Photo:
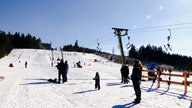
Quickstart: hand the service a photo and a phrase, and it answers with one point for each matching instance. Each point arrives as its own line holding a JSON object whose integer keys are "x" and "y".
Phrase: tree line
{"x": 156, "y": 54}
{"x": 148, "y": 54}
{"x": 9, "y": 41}
{"x": 77, "y": 48}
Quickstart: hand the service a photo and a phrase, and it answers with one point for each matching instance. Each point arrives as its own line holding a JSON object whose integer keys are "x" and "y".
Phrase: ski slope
{"x": 29, "y": 88}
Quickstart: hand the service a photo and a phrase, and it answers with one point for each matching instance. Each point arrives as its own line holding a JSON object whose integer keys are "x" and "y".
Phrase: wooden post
{"x": 185, "y": 82}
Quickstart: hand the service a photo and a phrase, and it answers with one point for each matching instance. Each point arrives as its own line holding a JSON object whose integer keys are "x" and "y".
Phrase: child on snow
{"x": 97, "y": 81}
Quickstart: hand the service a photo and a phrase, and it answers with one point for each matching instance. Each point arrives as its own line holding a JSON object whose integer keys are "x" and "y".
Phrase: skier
{"x": 136, "y": 79}
{"x": 61, "y": 69}
{"x": 97, "y": 81}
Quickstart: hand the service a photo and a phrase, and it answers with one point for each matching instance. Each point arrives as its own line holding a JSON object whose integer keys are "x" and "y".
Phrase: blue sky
{"x": 65, "y": 21}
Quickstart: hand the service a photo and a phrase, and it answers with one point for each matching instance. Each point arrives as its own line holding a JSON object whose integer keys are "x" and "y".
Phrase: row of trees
{"x": 146, "y": 54}
{"x": 77, "y": 48}
{"x": 9, "y": 41}
{"x": 156, "y": 54}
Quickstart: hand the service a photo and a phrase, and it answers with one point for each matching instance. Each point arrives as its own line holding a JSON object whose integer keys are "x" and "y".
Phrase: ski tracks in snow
{"x": 64, "y": 98}
{"x": 15, "y": 95}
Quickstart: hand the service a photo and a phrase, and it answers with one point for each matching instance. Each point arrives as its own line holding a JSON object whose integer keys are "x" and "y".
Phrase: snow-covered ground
{"x": 29, "y": 88}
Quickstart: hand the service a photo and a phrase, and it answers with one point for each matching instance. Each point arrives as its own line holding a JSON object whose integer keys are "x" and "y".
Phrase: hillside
{"x": 29, "y": 88}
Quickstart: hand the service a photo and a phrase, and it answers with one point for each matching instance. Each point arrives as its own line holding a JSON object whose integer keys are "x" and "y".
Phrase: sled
{"x": 52, "y": 80}
{"x": 2, "y": 78}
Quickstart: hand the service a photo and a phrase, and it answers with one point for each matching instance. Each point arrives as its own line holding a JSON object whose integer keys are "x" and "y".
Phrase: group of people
{"x": 135, "y": 77}
{"x": 63, "y": 70}
{"x": 124, "y": 74}
{"x": 11, "y": 64}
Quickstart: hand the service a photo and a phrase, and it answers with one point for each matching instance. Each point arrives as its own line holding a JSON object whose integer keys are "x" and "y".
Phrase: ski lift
{"x": 128, "y": 37}
{"x": 168, "y": 46}
{"x": 128, "y": 45}
{"x": 98, "y": 45}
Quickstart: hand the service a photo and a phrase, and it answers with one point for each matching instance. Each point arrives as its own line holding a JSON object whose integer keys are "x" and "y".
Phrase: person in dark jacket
{"x": 136, "y": 79}
{"x": 25, "y": 64}
{"x": 66, "y": 71}
{"x": 124, "y": 74}
{"x": 61, "y": 69}
{"x": 97, "y": 81}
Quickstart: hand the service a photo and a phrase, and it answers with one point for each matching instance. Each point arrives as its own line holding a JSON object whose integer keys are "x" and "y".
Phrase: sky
{"x": 62, "y": 22}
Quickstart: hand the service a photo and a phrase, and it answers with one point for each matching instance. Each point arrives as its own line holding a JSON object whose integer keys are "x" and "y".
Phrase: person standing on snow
{"x": 97, "y": 81}
{"x": 61, "y": 69}
{"x": 124, "y": 73}
{"x": 66, "y": 71}
{"x": 136, "y": 79}
{"x": 25, "y": 64}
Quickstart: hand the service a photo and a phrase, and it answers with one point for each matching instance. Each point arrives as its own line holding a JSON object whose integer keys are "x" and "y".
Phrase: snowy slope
{"x": 28, "y": 87}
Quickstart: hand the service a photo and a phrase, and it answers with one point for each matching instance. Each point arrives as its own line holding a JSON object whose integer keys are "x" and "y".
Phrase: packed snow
{"x": 29, "y": 88}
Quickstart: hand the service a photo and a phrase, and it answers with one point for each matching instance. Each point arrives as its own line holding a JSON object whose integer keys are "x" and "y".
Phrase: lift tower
{"x": 118, "y": 32}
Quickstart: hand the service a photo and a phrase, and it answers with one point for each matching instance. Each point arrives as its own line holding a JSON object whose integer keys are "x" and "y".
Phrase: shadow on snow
{"x": 39, "y": 81}
{"x": 35, "y": 83}
{"x": 86, "y": 91}
{"x": 128, "y": 105}
{"x": 166, "y": 92}
{"x": 113, "y": 84}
